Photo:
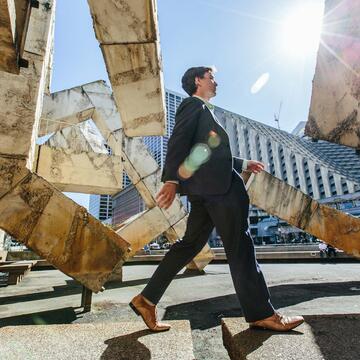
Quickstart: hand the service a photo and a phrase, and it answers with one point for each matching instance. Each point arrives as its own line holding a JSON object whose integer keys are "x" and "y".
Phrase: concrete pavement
{"x": 49, "y": 297}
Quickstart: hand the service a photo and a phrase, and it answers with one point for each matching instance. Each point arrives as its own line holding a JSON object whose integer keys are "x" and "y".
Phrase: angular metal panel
{"x": 84, "y": 172}
{"x": 142, "y": 229}
{"x": 280, "y": 199}
{"x": 136, "y": 79}
{"x": 137, "y": 156}
{"x": 335, "y": 103}
{"x": 8, "y": 52}
{"x": 124, "y": 21}
{"x": 12, "y": 171}
{"x": 63, "y": 109}
{"x": 61, "y": 231}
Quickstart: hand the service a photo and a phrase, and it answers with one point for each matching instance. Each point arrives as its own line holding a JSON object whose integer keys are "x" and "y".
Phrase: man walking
{"x": 199, "y": 164}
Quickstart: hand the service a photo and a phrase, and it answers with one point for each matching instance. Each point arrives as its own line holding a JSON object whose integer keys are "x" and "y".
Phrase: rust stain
{"x": 57, "y": 159}
{"x": 312, "y": 129}
{"x": 345, "y": 126}
{"x": 9, "y": 170}
{"x": 355, "y": 88}
{"x": 73, "y": 244}
{"x": 142, "y": 62}
{"x": 136, "y": 24}
{"x": 36, "y": 199}
{"x": 145, "y": 120}
{"x": 130, "y": 76}
{"x": 153, "y": 94}
{"x": 310, "y": 209}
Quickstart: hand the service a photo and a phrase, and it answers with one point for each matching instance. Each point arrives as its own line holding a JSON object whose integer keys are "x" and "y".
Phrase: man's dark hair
{"x": 188, "y": 79}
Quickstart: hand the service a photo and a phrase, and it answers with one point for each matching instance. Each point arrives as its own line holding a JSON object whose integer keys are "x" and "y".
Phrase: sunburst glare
{"x": 301, "y": 29}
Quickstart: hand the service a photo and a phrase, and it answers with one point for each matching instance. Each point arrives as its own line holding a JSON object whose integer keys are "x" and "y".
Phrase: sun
{"x": 301, "y": 29}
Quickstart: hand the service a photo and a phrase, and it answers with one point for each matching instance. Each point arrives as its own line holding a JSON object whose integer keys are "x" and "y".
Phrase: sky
{"x": 264, "y": 52}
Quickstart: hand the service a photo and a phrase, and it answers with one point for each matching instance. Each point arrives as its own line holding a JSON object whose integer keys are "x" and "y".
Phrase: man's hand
{"x": 255, "y": 166}
{"x": 166, "y": 195}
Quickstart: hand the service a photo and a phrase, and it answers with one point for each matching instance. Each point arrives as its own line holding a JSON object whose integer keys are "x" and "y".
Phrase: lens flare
{"x": 301, "y": 29}
{"x": 260, "y": 83}
{"x": 214, "y": 139}
{"x": 184, "y": 173}
{"x": 200, "y": 154}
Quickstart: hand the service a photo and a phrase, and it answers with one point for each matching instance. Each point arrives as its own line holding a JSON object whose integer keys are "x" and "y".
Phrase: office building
{"x": 100, "y": 206}
{"x": 320, "y": 169}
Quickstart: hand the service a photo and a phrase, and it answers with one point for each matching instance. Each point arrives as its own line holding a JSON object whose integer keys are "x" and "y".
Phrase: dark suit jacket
{"x": 193, "y": 125}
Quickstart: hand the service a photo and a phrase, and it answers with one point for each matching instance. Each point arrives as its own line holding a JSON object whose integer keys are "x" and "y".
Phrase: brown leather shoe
{"x": 278, "y": 322}
{"x": 148, "y": 312}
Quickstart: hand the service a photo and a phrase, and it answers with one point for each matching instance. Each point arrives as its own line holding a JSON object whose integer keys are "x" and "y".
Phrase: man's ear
{"x": 197, "y": 81}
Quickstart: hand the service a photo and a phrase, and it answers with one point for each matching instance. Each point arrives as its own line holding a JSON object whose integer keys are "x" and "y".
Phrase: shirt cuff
{"x": 172, "y": 182}
{"x": 244, "y": 164}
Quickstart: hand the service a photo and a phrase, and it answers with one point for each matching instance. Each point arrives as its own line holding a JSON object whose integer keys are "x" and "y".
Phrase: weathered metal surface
{"x": 31, "y": 209}
{"x": 81, "y": 138}
{"x": 136, "y": 78}
{"x": 132, "y": 55}
{"x": 335, "y": 103}
{"x": 64, "y": 109}
{"x": 101, "y": 97}
{"x": 23, "y": 12}
{"x": 21, "y": 95}
{"x": 58, "y": 229}
{"x": 12, "y": 171}
{"x": 17, "y": 109}
{"x": 9, "y": 56}
{"x": 124, "y": 21}
{"x": 85, "y": 172}
{"x": 147, "y": 189}
{"x": 280, "y": 199}
{"x": 143, "y": 228}
{"x": 14, "y": 18}
{"x": 41, "y": 22}
{"x": 72, "y": 106}
{"x": 138, "y": 163}
{"x": 72, "y": 169}
{"x": 67, "y": 107}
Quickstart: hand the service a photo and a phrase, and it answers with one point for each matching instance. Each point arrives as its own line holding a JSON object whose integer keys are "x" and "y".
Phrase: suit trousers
{"x": 229, "y": 214}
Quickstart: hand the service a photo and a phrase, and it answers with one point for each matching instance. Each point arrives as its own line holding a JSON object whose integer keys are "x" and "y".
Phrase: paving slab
{"x": 51, "y": 297}
{"x": 321, "y": 337}
{"x": 120, "y": 341}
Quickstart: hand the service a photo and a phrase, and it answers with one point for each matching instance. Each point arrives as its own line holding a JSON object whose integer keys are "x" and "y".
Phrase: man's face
{"x": 206, "y": 86}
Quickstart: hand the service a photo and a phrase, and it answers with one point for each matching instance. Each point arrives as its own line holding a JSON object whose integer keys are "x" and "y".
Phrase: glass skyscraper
{"x": 100, "y": 206}
{"x": 157, "y": 145}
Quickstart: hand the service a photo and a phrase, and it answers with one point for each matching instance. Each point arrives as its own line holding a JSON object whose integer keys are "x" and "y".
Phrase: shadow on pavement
{"x": 337, "y": 336}
{"x": 59, "y": 316}
{"x": 207, "y": 313}
{"x": 127, "y": 347}
{"x": 118, "y": 285}
{"x": 73, "y": 287}
{"x": 250, "y": 340}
